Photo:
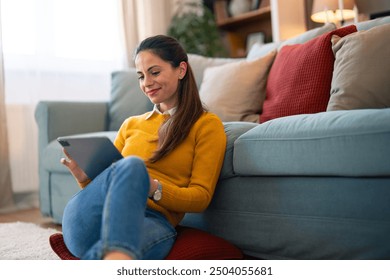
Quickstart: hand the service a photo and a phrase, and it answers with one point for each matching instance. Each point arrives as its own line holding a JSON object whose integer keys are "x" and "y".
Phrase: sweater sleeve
{"x": 209, "y": 151}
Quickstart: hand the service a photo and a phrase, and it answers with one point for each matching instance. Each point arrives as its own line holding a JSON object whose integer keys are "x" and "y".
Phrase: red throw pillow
{"x": 300, "y": 78}
{"x": 191, "y": 244}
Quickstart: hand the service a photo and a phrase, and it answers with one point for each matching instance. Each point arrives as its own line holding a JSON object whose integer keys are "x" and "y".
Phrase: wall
{"x": 288, "y": 18}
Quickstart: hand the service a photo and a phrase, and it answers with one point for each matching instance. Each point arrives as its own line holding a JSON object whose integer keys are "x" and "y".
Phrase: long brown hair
{"x": 189, "y": 108}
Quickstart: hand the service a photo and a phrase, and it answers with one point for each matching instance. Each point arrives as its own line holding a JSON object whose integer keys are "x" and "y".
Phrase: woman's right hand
{"x": 74, "y": 168}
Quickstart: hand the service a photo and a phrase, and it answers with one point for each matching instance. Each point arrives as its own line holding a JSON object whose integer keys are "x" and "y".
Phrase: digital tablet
{"x": 92, "y": 154}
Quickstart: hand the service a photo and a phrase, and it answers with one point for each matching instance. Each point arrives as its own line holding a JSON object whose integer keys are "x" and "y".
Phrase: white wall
{"x": 288, "y": 18}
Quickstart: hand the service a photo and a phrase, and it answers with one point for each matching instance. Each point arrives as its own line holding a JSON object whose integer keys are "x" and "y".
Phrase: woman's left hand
{"x": 74, "y": 168}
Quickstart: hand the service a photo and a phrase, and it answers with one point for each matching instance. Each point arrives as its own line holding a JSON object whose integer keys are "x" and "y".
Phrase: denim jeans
{"x": 111, "y": 214}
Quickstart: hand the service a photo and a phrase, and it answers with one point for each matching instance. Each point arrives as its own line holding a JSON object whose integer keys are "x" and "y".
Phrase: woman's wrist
{"x": 157, "y": 194}
{"x": 153, "y": 187}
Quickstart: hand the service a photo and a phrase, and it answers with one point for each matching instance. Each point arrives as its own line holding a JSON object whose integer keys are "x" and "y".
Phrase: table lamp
{"x": 336, "y": 11}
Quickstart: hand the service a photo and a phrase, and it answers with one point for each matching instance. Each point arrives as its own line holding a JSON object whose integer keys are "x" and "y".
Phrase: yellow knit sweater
{"x": 189, "y": 173}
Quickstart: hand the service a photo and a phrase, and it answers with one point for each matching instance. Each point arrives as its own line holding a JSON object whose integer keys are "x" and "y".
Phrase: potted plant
{"x": 194, "y": 26}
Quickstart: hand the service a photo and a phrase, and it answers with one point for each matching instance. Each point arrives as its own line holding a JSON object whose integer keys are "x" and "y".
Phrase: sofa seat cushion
{"x": 52, "y": 154}
{"x": 340, "y": 143}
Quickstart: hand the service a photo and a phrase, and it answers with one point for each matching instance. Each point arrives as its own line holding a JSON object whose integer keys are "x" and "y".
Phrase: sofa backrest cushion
{"x": 308, "y": 35}
{"x": 127, "y": 99}
{"x": 260, "y": 50}
{"x": 366, "y": 25}
{"x": 300, "y": 78}
{"x": 361, "y": 71}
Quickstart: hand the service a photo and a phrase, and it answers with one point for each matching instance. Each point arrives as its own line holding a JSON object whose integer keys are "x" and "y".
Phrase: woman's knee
{"x": 132, "y": 163}
{"x": 132, "y": 169}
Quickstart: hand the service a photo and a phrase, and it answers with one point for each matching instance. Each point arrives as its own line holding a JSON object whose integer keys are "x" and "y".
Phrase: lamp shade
{"x": 332, "y": 10}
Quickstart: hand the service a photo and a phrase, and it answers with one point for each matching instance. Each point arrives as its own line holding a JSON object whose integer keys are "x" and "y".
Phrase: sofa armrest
{"x": 59, "y": 118}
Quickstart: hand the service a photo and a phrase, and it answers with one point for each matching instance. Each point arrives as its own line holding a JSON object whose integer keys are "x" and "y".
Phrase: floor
{"x": 30, "y": 216}
{"x": 26, "y": 209}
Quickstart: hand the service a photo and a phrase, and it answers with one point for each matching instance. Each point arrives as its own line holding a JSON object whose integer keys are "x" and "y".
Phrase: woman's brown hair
{"x": 189, "y": 108}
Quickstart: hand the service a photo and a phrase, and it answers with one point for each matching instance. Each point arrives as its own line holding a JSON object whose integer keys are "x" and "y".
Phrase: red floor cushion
{"x": 191, "y": 244}
{"x": 58, "y": 245}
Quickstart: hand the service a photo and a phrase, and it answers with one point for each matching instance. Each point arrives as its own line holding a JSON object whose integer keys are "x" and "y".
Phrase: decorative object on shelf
{"x": 336, "y": 11}
{"x": 238, "y": 7}
{"x": 194, "y": 26}
{"x": 254, "y": 38}
{"x": 256, "y": 4}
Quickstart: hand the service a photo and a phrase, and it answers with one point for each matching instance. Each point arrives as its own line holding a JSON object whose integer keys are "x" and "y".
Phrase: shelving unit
{"x": 238, "y": 28}
{"x": 276, "y": 19}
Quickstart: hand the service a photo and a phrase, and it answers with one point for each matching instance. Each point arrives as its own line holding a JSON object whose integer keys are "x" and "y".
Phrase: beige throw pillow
{"x": 361, "y": 71}
{"x": 236, "y": 91}
{"x": 199, "y": 63}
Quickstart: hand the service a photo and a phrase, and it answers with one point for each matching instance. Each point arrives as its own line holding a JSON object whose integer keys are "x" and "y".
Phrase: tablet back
{"x": 92, "y": 154}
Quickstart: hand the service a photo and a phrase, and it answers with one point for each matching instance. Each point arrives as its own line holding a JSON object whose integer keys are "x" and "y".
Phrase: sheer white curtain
{"x": 65, "y": 50}
{"x": 6, "y": 198}
{"x": 144, "y": 18}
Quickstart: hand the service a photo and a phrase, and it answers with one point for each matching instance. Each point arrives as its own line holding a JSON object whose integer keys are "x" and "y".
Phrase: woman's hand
{"x": 74, "y": 168}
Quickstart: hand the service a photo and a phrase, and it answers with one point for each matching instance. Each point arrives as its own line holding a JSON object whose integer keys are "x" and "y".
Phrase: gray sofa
{"x": 308, "y": 186}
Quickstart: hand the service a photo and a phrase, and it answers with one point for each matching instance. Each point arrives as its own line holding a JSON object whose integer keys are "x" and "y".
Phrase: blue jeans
{"x": 111, "y": 214}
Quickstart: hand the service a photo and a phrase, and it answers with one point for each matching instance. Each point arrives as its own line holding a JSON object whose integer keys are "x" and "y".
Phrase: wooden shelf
{"x": 262, "y": 14}
{"x": 238, "y": 28}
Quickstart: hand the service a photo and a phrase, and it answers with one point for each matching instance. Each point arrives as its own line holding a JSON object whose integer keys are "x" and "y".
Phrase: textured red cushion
{"x": 58, "y": 245}
{"x": 195, "y": 244}
{"x": 191, "y": 244}
{"x": 299, "y": 81}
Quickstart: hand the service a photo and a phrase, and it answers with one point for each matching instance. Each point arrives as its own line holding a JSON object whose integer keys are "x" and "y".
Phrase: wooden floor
{"x": 32, "y": 215}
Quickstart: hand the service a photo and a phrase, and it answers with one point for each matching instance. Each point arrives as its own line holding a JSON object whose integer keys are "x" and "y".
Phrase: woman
{"x": 172, "y": 160}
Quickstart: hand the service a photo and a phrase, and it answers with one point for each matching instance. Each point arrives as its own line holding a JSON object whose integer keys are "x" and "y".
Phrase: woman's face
{"x": 158, "y": 79}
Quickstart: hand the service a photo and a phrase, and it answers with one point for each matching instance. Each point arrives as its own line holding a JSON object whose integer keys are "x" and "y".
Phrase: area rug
{"x": 25, "y": 241}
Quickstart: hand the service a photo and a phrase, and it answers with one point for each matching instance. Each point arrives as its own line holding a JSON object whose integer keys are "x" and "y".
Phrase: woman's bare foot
{"x": 117, "y": 255}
